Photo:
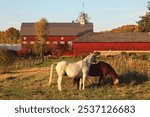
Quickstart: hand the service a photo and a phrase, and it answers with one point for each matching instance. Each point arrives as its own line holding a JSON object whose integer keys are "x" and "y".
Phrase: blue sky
{"x": 105, "y": 14}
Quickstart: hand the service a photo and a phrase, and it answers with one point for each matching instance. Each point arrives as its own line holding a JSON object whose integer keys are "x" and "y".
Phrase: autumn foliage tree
{"x": 126, "y": 28}
{"x": 2, "y": 33}
{"x": 41, "y": 32}
{"x": 37, "y": 48}
{"x": 11, "y": 35}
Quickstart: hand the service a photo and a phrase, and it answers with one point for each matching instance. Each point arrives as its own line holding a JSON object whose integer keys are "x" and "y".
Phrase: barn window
{"x": 24, "y": 38}
{"x": 54, "y": 42}
{"x": 62, "y": 38}
{"x": 70, "y": 42}
{"x": 62, "y": 42}
{"x": 31, "y": 42}
{"x": 25, "y": 42}
{"x": 48, "y": 42}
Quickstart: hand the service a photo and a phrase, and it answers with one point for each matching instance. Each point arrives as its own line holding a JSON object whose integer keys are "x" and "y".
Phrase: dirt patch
{"x": 24, "y": 72}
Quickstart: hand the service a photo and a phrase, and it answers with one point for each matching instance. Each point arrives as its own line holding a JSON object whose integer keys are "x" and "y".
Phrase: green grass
{"x": 34, "y": 87}
{"x": 49, "y": 62}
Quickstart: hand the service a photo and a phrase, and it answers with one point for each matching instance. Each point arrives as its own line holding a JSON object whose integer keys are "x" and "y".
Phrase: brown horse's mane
{"x": 97, "y": 69}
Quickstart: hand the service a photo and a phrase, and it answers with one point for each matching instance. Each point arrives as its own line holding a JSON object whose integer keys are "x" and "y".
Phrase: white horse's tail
{"x": 51, "y": 73}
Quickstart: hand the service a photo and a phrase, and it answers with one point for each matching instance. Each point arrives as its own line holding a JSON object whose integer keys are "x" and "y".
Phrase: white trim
{"x": 24, "y": 42}
{"x": 62, "y": 42}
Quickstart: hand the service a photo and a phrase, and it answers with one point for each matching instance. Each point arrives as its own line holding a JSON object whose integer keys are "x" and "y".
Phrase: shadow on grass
{"x": 133, "y": 77}
{"x": 107, "y": 82}
{"x": 6, "y": 72}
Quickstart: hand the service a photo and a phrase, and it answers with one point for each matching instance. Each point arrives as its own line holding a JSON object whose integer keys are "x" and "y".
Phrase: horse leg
{"x": 59, "y": 83}
{"x": 99, "y": 81}
{"x": 80, "y": 83}
{"x": 83, "y": 78}
{"x": 78, "y": 80}
{"x": 102, "y": 79}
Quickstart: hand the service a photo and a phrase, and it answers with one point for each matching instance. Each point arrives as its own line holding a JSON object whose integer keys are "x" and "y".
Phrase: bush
{"x": 145, "y": 56}
{"x": 7, "y": 57}
{"x": 124, "y": 53}
{"x": 133, "y": 55}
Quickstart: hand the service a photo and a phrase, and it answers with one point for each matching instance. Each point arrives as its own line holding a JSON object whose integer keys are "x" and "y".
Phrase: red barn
{"x": 108, "y": 41}
{"x": 58, "y": 33}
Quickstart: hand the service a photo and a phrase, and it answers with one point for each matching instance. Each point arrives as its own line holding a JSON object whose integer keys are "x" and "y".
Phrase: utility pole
{"x": 83, "y": 4}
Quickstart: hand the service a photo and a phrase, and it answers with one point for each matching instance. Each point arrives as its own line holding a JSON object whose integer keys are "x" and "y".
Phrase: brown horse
{"x": 101, "y": 70}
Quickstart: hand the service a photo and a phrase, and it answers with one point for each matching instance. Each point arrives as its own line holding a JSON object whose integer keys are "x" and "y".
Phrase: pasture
{"x": 31, "y": 83}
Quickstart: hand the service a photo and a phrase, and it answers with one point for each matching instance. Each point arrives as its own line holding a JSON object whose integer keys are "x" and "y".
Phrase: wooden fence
{"x": 25, "y": 63}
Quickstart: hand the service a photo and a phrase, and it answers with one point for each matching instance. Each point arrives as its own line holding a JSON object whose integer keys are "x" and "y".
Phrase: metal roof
{"x": 114, "y": 37}
{"x": 55, "y": 29}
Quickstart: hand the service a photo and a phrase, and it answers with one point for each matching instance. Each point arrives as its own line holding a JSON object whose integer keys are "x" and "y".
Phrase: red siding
{"x": 79, "y": 48}
{"x": 51, "y": 39}
{"x": 58, "y": 38}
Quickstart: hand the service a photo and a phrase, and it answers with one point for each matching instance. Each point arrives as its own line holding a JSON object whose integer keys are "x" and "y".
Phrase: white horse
{"x": 79, "y": 69}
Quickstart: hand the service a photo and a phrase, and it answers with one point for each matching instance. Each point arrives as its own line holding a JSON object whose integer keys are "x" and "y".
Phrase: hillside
{"x": 126, "y": 28}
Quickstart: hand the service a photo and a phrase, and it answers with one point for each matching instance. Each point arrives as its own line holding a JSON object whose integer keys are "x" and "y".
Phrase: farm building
{"x": 14, "y": 47}
{"x": 58, "y": 33}
{"x": 109, "y": 42}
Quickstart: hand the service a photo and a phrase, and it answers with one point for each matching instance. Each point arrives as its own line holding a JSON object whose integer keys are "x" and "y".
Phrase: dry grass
{"x": 32, "y": 84}
{"x": 24, "y": 72}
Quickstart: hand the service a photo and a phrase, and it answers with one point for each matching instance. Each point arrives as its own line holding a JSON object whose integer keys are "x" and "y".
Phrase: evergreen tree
{"x": 144, "y": 23}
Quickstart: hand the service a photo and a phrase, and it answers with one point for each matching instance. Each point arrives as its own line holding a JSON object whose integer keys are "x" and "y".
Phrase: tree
{"x": 144, "y": 23}
{"x": 126, "y": 28}
{"x": 2, "y": 37}
{"x": 12, "y": 35}
{"x": 37, "y": 49}
{"x": 41, "y": 32}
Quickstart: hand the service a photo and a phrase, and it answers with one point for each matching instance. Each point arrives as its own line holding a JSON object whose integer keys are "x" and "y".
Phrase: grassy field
{"x": 31, "y": 84}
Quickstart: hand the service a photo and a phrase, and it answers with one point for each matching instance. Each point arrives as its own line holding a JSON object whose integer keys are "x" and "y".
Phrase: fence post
{"x": 16, "y": 65}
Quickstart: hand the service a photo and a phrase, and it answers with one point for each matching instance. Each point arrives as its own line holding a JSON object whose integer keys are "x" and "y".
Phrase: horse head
{"x": 116, "y": 83}
{"x": 91, "y": 58}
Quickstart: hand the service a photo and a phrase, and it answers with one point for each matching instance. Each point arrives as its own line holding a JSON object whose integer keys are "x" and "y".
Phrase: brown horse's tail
{"x": 51, "y": 73}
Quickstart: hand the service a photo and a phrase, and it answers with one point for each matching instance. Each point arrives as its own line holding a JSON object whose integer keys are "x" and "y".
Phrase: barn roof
{"x": 58, "y": 29}
{"x": 114, "y": 37}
